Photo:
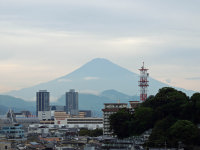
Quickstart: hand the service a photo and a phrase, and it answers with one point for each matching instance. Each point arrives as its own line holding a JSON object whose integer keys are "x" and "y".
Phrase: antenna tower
{"x": 143, "y": 83}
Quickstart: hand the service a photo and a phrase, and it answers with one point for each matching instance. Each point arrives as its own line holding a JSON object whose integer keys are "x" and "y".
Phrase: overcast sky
{"x": 41, "y": 40}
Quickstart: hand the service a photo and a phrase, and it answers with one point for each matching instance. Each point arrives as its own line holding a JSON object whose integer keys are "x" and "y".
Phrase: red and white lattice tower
{"x": 143, "y": 83}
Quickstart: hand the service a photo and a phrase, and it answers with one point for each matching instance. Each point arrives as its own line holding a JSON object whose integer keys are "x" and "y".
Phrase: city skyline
{"x": 41, "y": 41}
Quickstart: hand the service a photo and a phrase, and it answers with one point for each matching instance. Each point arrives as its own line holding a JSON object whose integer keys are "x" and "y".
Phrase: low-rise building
{"x": 44, "y": 115}
{"x": 23, "y": 114}
{"x": 134, "y": 104}
{"x": 87, "y": 113}
{"x": 61, "y": 118}
{"x": 14, "y": 131}
{"x": 57, "y": 108}
{"x": 90, "y": 123}
{"x": 5, "y": 145}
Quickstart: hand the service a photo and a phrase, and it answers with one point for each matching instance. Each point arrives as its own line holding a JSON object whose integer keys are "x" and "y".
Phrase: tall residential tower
{"x": 42, "y": 101}
{"x": 72, "y": 102}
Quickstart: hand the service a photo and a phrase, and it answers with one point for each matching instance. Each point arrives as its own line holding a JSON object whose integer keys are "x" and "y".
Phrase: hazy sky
{"x": 41, "y": 40}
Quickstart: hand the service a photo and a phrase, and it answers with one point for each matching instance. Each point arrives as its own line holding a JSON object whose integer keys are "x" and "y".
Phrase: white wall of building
{"x": 44, "y": 115}
{"x": 90, "y": 123}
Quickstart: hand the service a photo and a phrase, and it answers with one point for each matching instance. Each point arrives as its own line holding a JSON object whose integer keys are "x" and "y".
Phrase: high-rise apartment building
{"x": 109, "y": 109}
{"x": 72, "y": 102}
{"x": 42, "y": 101}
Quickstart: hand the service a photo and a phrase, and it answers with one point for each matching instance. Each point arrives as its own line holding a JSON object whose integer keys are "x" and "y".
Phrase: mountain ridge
{"x": 17, "y": 104}
{"x": 86, "y": 102}
{"x": 97, "y": 75}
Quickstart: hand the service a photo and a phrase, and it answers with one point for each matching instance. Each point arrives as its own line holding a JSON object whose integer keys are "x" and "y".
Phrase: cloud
{"x": 53, "y": 99}
{"x": 193, "y": 78}
{"x": 90, "y": 92}
{"x": 91, "y": 78}
{"x": 64, "y": 80}
{"x": 62, "y": 35}
{"x": 168, "y": 80}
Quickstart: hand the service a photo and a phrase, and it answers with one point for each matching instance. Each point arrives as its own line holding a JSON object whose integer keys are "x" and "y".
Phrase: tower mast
{"x": 143, "y": 83}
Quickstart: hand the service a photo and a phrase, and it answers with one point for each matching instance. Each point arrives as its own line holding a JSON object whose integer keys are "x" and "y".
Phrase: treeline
{"x": 171, "y": 114}
{"x": 91, "y": 133}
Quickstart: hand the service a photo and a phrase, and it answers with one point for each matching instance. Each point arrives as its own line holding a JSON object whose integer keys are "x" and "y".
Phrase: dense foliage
{"x": 171, "y": 114}
{"x": 91, "y": 133}
{"x": 121, "y": 123}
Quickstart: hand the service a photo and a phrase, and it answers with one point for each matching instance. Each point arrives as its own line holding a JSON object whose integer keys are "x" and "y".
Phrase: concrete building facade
{"x": 109, "y": 109}
{"x": 44, "y": 115}
{"x": 14, "y": 131}
{"x": 42, "y": 101}
{"x": 61, "y": 118}
{"x": 57, "y": 108}
{"x": 89, "y": 123}
{"x": 86, "y": 113}
{"x": 72, "y": 102}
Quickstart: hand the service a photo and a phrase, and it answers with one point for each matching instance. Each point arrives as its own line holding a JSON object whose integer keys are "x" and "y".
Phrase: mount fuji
{"x": 94, "y": 77}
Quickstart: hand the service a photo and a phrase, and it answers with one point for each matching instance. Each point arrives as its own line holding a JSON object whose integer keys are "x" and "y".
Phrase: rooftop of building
{"x": 135, "y": 101}
{"x": 110, "y": 109}
{"x": 42, "y": 90}
{"x": 115, "y": 104}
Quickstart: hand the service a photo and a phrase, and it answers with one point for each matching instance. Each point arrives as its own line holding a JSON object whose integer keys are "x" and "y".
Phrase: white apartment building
{"x": 44, "y": 115}
{"x": 61, "y": 118}
{"x": 110, "y": 108}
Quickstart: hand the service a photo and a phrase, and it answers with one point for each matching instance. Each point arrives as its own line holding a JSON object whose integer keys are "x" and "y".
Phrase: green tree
{"x": 120, "y": 123}
{"x": 164, "y": 96}
{"x": 84, "y": 132}
{"x": 143, "y": 120}
{"x": 187, "y": 111}
{"x": 170, "y": 114}
{"x": 184, "y": 131}
{"x": 96, "y": 132}
{"x": 195, "y": 99}
{"x": 167, "y": 101}
{"x": 160, "y": 132}
{"x": 91, "y": 133}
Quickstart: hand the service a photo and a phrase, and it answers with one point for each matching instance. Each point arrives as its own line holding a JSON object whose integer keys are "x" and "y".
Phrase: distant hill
{"x": 93, "y": 77}
{"x": 3, "y": 110}
{"x": 86, "y": 102}
{"x": 17, "y": 104}
{"x": 96, "y": 102}
{"x": 115, "y": 95}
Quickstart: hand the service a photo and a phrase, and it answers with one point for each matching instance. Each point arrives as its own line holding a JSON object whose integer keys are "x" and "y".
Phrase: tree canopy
{"x": 184, "y": 131}
{"x": 120, "y": 123}
{"x": 171, "y": 115}
{"x": 91, "y": 133}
